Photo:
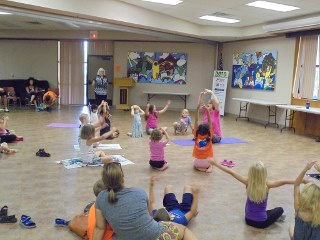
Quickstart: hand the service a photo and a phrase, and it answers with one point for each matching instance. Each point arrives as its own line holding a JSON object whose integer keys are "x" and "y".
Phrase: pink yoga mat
{"x": 63, "y": 125}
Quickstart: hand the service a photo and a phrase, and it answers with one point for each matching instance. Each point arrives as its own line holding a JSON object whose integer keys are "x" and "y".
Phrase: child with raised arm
{"x": 183, "y": 124}
{"x": 213, "y": 109}
{"x": 6, "y": 135}
{"x": 174, "y": 211}
{"x": 307, "y": 208}
{"x": 157, "y": 145}
{"x": 258, "y": 186}
{"x": 86, "y": 141}
{"x": 136, "y": 112}
{"x": 104, "y": 118}
{"x": 152, "y": 116}
{"x": 203, "y": 149}
{"x": 94, "y": 112}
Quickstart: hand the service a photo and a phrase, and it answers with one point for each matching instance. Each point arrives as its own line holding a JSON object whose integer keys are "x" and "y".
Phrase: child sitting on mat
{"x": 152, "y": 116}
{"x": 203, "y": 149}
{"x": 136, "y": 112}
{"x": 257, "y": 187}
{"x": 86, "y": 141}
{"x": 174, "y": 211}
{"x": 307, "y": 208}
{"x": 157, "y": 160}
{"x": 183, "y": 124}
{"x": 213, "y": 108}
{"x": 104, "y": 118}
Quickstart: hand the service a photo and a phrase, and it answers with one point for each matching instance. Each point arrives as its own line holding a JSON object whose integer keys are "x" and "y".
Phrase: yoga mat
{"x": 102, "y": 147}
{"x": 63, "y": 125}
{"x": 189, "y": 142}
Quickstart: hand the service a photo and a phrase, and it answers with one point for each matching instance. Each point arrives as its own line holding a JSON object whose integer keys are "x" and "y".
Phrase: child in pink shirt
{"x": 157, "y": 160}
{"x": 213, "y": 108}
{"x": 152, "y": 116}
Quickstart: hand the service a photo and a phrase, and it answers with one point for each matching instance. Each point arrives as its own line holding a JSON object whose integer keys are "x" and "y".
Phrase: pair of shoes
{"x": 6, "y": 110}
{"x": 59, "y": 222}
{"x": 228, "y": 163}
{"x": 42, "y": 153}
{"x": 27, "y": 222}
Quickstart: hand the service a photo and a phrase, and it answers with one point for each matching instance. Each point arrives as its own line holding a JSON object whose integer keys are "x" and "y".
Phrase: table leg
{"x": 272, "y": 113}
{"x": 289, "y": 117}
{"x": 243, "y": 108}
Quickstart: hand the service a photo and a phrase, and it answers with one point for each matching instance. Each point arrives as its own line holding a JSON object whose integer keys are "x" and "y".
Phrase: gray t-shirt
{"x": 129, "y": 216}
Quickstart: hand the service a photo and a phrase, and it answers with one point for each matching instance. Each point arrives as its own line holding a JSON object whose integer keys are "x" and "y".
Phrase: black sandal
{"x": 4, "y": 211}
{"x": 8, "y": 219}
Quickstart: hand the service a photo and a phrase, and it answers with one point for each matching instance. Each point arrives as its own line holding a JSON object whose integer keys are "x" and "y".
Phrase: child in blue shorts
{"x": 174, "y": 211}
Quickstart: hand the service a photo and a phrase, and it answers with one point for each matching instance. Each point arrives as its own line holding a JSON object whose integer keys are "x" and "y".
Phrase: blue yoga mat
{"x": 189, "y": 142}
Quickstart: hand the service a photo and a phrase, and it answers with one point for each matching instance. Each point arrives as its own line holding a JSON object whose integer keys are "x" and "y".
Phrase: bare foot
{"x": 129, "y": 134}
{"x": 317, "y": 166}
{"x": 209, "y": 169}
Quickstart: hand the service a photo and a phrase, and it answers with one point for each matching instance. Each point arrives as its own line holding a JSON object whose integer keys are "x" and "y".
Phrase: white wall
{"x": 282, "y": 93}
{"x": 20, "y": 59}
{"x": 201, "y": 62}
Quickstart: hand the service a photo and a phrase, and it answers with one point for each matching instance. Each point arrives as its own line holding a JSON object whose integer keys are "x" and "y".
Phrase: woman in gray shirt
{"x": 126, "y": 210}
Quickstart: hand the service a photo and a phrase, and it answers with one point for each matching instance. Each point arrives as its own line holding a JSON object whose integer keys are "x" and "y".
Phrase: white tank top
{"x": 87, "y": 152}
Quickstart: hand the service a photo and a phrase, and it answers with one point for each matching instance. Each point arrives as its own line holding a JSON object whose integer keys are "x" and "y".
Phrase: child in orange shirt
{"x": 203, "y": 149}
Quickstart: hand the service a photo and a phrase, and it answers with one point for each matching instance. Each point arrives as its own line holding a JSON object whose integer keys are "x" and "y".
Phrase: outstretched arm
{"x": 279, "y": 183}
{"x": 200, "y": 100}
{"x": 233, "y": 173}
{"x": 165, "y": 134}
{"x": 147, "y": 109}
{"x": 197, "y": 116}
{"x": 102, "y": 137}
{"x": 3, "y": 125}
{"x": 296, "y": 191}
{"x": 209, "y": 118}
{"x": 214, "y": 98}
{"x": 151, "y": 196}
{"x": 141, "y": 111}
{"x": 165, "y": 107}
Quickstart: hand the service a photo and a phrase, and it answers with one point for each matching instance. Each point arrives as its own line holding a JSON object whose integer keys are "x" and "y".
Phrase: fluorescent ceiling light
{"x": 219, "y": 19}
{"x": 5, "y": 13}
{"x": 168, "y": 2}
{"x": 272, "y": 6}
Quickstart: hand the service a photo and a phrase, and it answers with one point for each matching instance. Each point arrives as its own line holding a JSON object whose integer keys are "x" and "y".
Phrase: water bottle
{"x": 307, "y": 105}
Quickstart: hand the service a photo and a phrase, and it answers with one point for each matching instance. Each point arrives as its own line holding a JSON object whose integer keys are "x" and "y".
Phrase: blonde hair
{"x": 87, "y": 132}
{"x": 98, "y": 187}
{"x": 101, "y": 69}
{"x": 82, "y": 117}
{"x": 156, "y": 135}
{"x": 310, "y": 200}
{"x": 257, "y": 188}
{"x": 185, "y": 110}
{"x": 136, "y": 107}
{"x": 113, "y": 179}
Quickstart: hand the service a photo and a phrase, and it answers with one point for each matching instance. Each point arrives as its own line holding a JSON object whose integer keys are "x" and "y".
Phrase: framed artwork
{"x": 256, "y": 70}
{"x": 157, "y": 67}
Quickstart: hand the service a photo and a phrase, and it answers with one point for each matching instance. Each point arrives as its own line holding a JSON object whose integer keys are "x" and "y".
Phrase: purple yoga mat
{"x": 189, "y": 142}
{"x": 63, "y": 125}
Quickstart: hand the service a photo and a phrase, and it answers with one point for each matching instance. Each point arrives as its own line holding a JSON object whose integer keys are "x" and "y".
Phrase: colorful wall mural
{"x": 256, "y": 70}
{"x": 157, "y": 67}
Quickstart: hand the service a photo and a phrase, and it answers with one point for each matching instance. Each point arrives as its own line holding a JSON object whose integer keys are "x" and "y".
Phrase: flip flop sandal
{"x": 4, "y": 211}
{"x": 8, "y": 219}
{"x": 27, "y": 222}
{"x": 58, "y": 222}
{"x": 225, "y": 163}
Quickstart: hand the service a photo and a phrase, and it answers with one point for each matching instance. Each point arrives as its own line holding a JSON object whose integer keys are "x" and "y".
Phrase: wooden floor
{"x": 45, "y": 190}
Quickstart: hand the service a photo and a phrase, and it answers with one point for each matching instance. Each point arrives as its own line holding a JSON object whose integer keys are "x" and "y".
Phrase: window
{"x": 317, "y": 76}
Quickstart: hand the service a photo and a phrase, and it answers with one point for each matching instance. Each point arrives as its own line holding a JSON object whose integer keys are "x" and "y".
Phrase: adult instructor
{"x": 100, "y": 84}
{"x": 126, "y": 210}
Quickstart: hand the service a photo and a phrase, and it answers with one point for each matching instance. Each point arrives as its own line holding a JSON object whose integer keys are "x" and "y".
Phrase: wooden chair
{"x": 12, "y": 97}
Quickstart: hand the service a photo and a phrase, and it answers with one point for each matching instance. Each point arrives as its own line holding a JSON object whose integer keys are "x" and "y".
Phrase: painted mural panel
{"x": 157, "y": 67}
{"x": 256, "y": 70}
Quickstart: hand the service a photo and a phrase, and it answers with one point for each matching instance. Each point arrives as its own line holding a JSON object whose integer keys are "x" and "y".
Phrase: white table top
{"x": 258, "y": 102}
{"x": 300, "y": 108}
{"x": 166, "y": 93}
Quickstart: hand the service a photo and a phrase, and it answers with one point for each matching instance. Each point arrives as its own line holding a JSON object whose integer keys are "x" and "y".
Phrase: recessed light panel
{"x": 219, "y": 19}
{"x": 168, "y": 2}
{"x": 272, "y": 6}
{"x": 5, "y": 13}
